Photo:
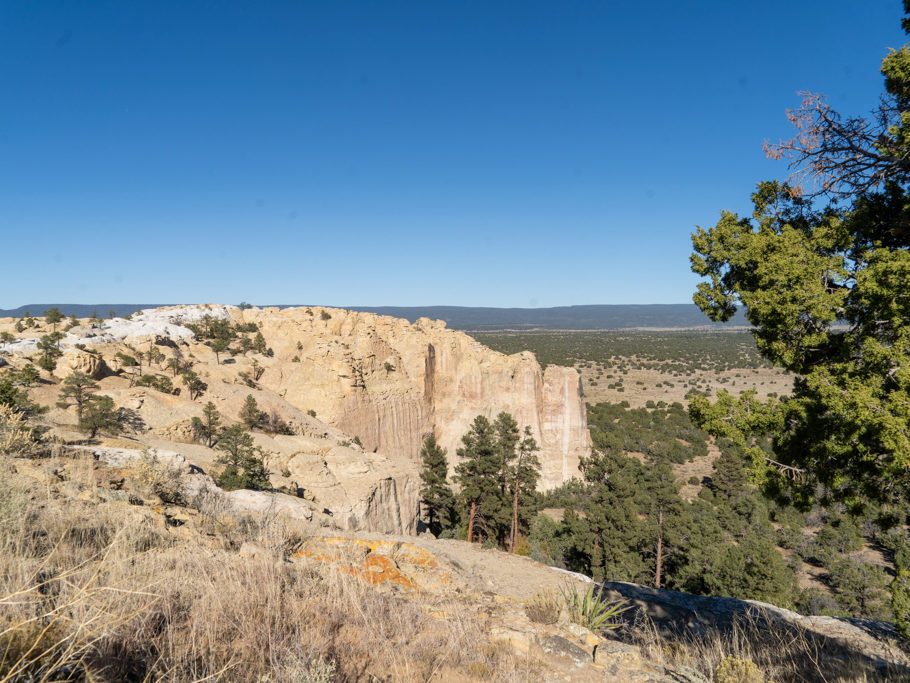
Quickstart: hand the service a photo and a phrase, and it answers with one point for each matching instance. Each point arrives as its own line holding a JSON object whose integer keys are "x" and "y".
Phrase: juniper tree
{"x": 828, "y": 293}
{"x": 435, "y": 494}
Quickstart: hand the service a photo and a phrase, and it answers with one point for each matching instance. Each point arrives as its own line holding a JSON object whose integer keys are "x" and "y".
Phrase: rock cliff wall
{"x": 390, "y": 383}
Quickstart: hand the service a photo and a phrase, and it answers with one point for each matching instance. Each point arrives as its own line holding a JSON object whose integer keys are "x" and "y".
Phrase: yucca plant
{"x": 589, "y": 609}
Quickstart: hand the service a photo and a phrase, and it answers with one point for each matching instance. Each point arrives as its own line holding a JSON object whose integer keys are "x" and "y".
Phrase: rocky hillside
{"x": 357, "y": 393}
{"x": 131, "y": 567}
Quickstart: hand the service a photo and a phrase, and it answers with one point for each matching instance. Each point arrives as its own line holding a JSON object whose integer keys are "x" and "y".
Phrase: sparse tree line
{"x": 497, "y": 478}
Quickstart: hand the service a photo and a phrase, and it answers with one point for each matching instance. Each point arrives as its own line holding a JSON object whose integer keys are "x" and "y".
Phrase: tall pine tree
{"x": 435, "y": 494}
{"x": 478, "y": 475}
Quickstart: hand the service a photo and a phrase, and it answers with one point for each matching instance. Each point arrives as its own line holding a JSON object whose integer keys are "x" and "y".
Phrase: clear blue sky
{"x": 379, "y": 153}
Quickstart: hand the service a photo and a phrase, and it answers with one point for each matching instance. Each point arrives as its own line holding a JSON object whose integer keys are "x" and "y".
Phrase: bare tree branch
{"x": 836, "y": 156}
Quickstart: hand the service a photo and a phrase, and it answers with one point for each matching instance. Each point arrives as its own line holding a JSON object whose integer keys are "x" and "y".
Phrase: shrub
{"x": 543, "y": 608}
{"x": 589, "y": 609}
{"x": 733, "y": 670}
{"x": 161, "y": 478}
{"x": 158, "y": 382}
{"x": 16, "y": 436}
{"x": 325, "y": 315}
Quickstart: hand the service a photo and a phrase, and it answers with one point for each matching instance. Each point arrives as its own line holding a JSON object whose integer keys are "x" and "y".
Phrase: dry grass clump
{"x": 159, "y": 477}
{"x": 16, "y": 435}
{"x": 110, "y": 592}
{"x": 755, "y": 650}
{"x": 544, "y": 607}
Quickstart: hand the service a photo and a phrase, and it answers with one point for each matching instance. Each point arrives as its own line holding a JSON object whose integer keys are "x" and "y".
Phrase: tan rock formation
{"x": 334, "y": 380}
{"x": 80, "y": 361}
{"x": 390, "y": 383}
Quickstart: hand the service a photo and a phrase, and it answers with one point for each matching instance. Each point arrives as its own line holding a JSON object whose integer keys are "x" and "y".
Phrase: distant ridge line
{"x": 478, "y": 318}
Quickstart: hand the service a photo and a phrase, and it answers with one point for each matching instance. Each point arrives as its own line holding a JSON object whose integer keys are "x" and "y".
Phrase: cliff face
{"x": 333, "y": 375}
{"x": 390, "y": 383}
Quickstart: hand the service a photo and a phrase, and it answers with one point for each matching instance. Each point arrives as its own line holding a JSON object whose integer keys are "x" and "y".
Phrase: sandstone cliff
{"x": 357, "y": 391}
{"x": 390, "y": 383}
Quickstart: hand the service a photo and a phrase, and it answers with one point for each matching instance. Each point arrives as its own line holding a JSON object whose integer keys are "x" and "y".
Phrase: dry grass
{"x": 544, "y": 607}
{"x": 783, "y": 654}
{"x": 107, "y": 592}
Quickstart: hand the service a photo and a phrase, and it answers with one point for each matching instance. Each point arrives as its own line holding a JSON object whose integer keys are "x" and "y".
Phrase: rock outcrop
{"x": 390, "y": 383}
{"x": 353, "y": 396}
{"x": 872, "y": 645}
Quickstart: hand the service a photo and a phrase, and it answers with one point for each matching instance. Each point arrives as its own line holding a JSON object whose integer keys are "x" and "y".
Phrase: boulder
{"x": 81, "y": 361}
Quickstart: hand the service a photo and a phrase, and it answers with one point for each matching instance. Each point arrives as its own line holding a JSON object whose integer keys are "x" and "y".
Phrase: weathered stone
{"x": 561, "y": 647}
{"x": 610, "y": 652}
{"x": 520, "y": 641}
{"x": 390, "y": 382}
{"x": 81, "y": 361}
{"x": 873, "y": 644}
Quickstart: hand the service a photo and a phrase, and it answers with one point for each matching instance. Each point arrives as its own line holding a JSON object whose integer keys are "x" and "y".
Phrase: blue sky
{"x": 379, "y": 153}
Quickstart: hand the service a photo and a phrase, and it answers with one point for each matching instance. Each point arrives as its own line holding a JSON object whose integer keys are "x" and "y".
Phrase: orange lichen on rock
{"x": 379, "y": 562}
{"x": 378, "y": 569}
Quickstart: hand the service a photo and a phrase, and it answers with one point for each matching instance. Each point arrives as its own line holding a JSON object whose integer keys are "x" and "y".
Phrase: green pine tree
{"x": 435, "y": 493}
{"x": 478, "y": 475}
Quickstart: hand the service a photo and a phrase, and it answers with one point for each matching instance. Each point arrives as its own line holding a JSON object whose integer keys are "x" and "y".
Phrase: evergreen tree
{"x": 259, "y": 343}
{"x": 206, "y": 428}
{"x": 219, "y": 346}
{"x": 478, "y": 475}
{"x": 526, "y": 472}
{"x": 99, "y": 414}
{"x": 435, "y": 495}
{"x": 28, "y": 375}
{"x": 827, "y": 291}
{"x": 499, "y": 516}
{"x": 49, "y": 346}
{"x": 244, "y": 465}
{"x": 193, "y": 383}
{"x": 663, "y": 506}
{"x": 53, "y": 316}
{"x": 76, "y": 390}
{"x": 616, "y": 532}
{"x": 250, "y": 414}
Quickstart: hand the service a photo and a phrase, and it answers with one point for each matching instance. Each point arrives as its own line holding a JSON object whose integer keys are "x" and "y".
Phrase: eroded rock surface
{"x": 390, "y": 383}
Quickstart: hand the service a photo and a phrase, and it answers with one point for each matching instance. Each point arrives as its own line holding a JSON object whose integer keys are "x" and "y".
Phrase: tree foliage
{"x": 250, "y": 414}
{"x": 828, "y": 291}
{"x": 205, "y": 429}
{"x": 243, "y": 461}
{"x": 76, "y": 391}
{"x": 100, "y": 415}
{"x": 435, "y": 493}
